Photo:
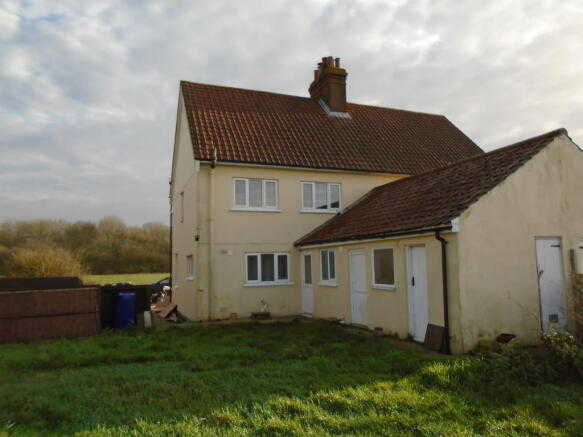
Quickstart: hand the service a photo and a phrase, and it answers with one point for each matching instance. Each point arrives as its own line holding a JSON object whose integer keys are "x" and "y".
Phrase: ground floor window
{"x": 328, "y": 266}
{"x": 267, "y": 268}
{"x": 189, "y": 266}
{"x": 383, "y": 268}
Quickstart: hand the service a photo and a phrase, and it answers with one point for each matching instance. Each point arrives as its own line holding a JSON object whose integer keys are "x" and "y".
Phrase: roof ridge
{"x": 249, "y": 90}
{"x": 551, "y": 134}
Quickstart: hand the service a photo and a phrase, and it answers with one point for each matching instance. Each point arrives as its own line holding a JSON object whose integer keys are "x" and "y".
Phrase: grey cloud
{"x": 88, "y": 90}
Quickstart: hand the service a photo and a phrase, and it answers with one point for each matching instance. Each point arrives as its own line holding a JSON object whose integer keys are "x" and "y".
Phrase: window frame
{"x": 263, "y": 206}
{"x": 259, "y": 282}
{"x": 328, "y": 208}
{"x": 189, "y": 267}
{"x": 329, "y": 281}
{"x": 372, "y": 263}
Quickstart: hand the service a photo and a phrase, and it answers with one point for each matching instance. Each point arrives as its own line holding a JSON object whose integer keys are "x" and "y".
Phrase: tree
{"x": 41, "y": 260}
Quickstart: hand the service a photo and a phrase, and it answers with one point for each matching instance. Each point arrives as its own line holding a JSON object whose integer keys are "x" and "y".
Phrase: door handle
{"x": 540, "y": 273}
{"x": 413, "y": 281}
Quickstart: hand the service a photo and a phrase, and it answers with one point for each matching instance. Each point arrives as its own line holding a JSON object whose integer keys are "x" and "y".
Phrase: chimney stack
{"x": 330, "y": 84}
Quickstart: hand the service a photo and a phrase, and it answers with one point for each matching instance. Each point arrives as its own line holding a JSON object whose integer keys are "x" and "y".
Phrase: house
{"x": 480, "y": 247}
{"x": 264, "y": 186}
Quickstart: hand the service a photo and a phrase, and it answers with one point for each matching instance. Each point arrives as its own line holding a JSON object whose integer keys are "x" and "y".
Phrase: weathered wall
{"x": 498, "y": 273}
{"x": 184, "y": 180}
{"x": 388, "y": 309}
{"x": 238, "y": 232}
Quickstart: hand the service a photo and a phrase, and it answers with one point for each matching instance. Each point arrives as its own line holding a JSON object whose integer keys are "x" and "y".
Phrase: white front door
{"x": 418, "y": 302}
{"x": 307, "y": 289}
{"x": 551, "y": 283}
{"x": 358, "y": 295}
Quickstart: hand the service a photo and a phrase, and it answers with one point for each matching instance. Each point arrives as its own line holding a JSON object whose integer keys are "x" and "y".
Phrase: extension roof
{"x": 427, "y": 201}
{"x": 258, "y": 127}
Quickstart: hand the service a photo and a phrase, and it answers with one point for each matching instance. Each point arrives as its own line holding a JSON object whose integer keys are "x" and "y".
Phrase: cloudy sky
{"x": 88, "y": 90}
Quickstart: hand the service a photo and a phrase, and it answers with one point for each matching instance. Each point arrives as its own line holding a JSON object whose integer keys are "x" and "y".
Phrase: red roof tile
{"x": 275, "y": 129}
{"x": 429, "y": 200}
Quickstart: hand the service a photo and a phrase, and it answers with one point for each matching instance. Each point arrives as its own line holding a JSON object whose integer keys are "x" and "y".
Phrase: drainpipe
{"x": 170, "y": 250}
{"x": 445, "y": 345}
{"x": 211, "y": 233}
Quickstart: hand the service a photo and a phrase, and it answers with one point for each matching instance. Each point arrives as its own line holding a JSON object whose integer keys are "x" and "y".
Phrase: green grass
{"x": 251, "y": 379}
{"x": 134, "y": 278}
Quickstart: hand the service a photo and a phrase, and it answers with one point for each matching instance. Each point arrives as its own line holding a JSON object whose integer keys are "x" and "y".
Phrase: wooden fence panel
{"x": 42, "y": 314}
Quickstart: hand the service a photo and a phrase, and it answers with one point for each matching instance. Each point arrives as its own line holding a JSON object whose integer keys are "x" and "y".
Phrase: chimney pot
{"x": 330, "y": 84}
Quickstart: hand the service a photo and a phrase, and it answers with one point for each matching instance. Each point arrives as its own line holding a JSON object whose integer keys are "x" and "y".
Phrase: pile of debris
{"x": 161, "y": 305}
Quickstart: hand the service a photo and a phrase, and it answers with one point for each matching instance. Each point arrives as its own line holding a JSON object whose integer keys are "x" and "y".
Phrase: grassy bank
{"x": 249, "y": 379}
{"x": 134, "y": 278}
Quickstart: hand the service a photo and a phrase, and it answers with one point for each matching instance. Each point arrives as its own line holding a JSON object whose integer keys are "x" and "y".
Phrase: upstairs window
{"x": 267, "y": 268}
{"x": 254, "y": 194}
{"x": 383, "y": 268}
{"x": 320, "y": 197}
{"x": 328, "y": 266}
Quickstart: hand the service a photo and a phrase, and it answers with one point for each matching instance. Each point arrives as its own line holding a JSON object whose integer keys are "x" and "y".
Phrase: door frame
{"x": 363, "y": 253}
{"x": 563, "y": 276}
{"x": 303, "y": 280}
{"x": 410, "y": 300}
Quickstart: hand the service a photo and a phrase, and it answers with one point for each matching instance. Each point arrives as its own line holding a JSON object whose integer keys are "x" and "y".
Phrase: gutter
{"x": 445, "y": 342}
{"x": 377, "y": 236}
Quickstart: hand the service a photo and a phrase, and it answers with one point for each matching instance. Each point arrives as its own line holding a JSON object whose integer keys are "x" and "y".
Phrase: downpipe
{"x": 445, "y": 347}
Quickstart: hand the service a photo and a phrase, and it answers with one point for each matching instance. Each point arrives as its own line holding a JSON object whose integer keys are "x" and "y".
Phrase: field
{"x": 279, "y": 379}
{"x": 134, "y": 278}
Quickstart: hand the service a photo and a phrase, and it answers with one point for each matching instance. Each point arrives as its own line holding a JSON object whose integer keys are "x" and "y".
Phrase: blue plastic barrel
{"x": 124, "y": 310}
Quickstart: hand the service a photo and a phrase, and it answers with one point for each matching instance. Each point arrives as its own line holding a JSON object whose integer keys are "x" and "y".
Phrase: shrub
{"x": 43, "y": 260}
{"x": 558, "y": 357}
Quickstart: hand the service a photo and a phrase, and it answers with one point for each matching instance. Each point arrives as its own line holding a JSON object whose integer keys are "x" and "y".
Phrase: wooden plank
{"x": 434, "y": 337}
{"x": 36, "y": 303}
{"x": 40, "y": 283}
{"x": 73, "y": 325}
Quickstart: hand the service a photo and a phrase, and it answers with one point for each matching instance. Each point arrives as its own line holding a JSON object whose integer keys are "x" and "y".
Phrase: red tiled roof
{"x": 275, "y": 129}
{"x": 429, "y": 200}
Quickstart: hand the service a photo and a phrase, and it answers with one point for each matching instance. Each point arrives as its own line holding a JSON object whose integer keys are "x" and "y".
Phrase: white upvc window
{"x": 320, "y": 197}
{"x": 327, "y": 267}
{"x": 383, "y": 268}
{"x": 255, "y": 194}
{"x": 270, "y": 268}
{"x": 580, "y": 256}
{"x": 189, "y": 267}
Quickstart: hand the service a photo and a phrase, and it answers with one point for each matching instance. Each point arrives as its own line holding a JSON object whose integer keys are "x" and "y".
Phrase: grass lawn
{"x": 251, "y": 379}
{"x": 134, "y": 278}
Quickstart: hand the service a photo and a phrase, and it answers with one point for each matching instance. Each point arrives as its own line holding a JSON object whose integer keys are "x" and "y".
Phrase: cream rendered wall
{"x": 498, "y": 273}
{"x": 388, "y": 309}
{"x": 184, "y": 180}
{"x": 239, "y": 232}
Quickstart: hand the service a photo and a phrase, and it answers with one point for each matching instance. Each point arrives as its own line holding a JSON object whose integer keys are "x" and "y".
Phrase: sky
{"x": 89, "y": 90}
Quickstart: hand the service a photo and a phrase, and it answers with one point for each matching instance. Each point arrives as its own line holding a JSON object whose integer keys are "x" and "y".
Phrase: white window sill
{"x": 189, "y": 278}
{"x": 266, "y": 284}
{"x": 320, "y": 211}
{"x": 383, "y": 287}
{"x": 256, "y": 209}
{"x": 328, "y": 284}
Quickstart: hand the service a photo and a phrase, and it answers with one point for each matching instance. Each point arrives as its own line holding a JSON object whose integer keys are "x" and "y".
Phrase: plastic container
{"x": 125, "y": 310}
